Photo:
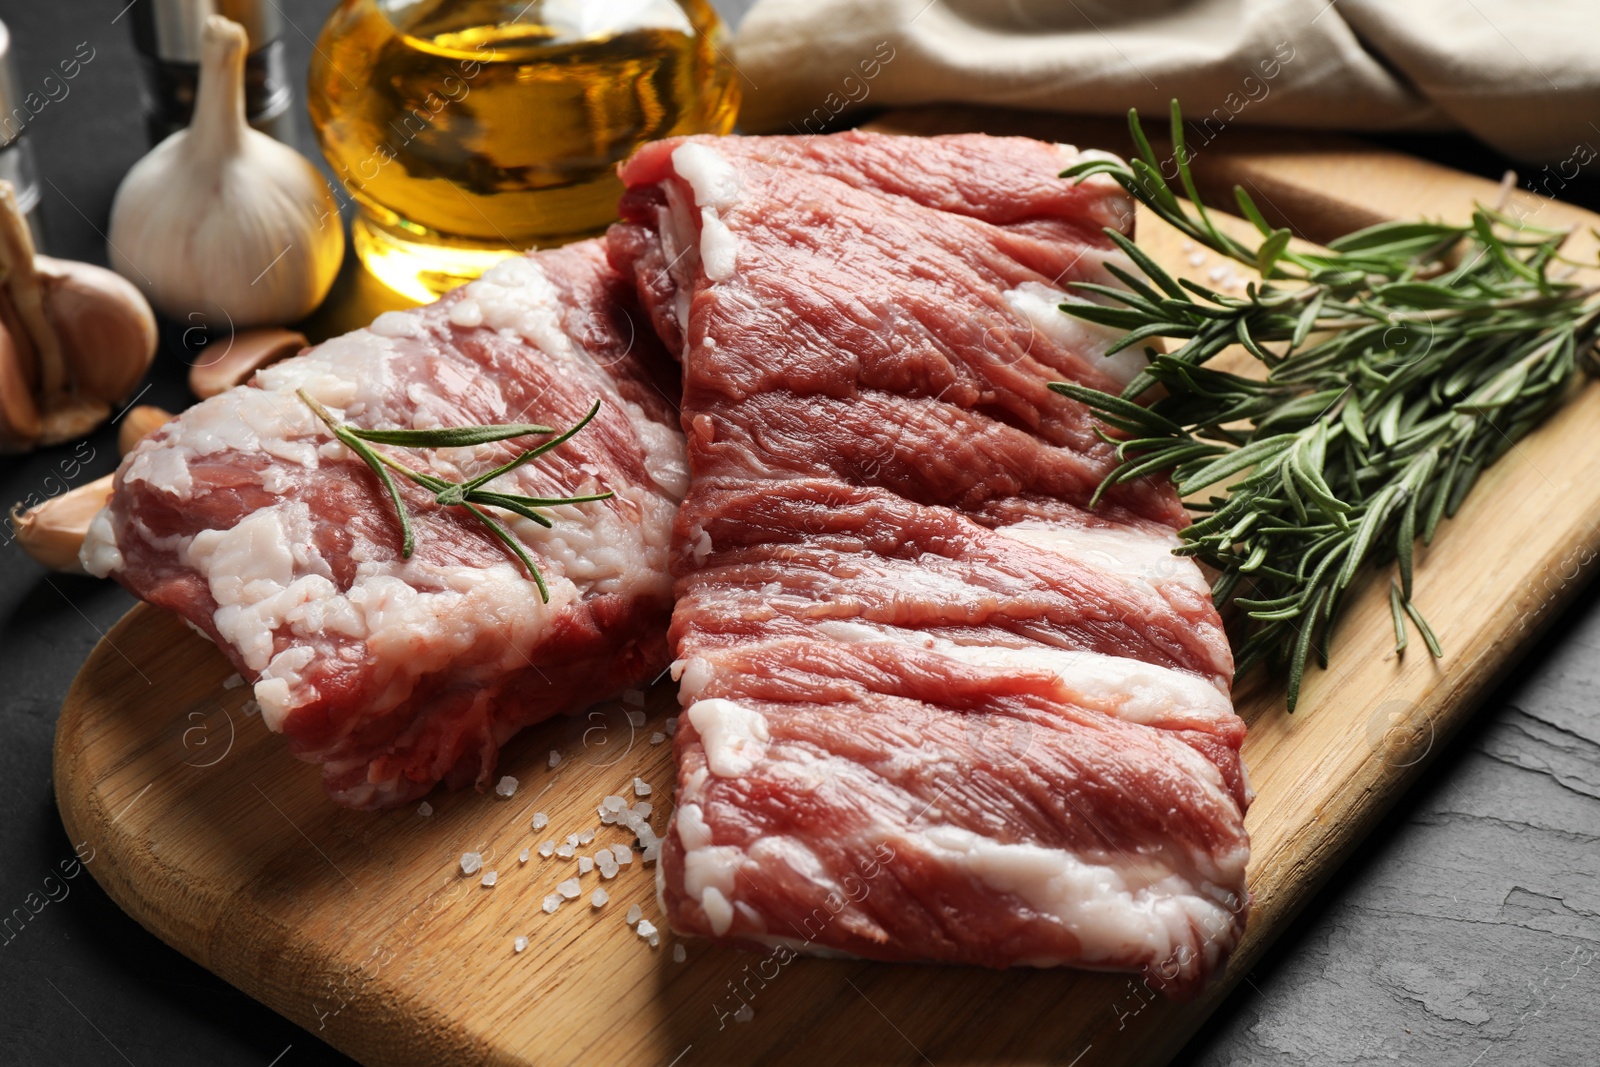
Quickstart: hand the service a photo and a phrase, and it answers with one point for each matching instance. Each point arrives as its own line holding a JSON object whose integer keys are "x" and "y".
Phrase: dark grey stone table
{"x": 1465, "y": 932}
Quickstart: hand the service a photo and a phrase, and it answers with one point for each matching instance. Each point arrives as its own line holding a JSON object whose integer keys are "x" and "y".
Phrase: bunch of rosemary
{"x": 470, "y": 494}
{"x": 1399, "y": 363}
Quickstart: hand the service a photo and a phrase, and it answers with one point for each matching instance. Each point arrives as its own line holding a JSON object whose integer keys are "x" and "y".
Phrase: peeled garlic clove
{"x": 53, "y": 531}
{"x": 19, "y": 413}
{"x": 240, "y": 357}
{"x": 139, "y": 423}
{"x": 107, "y": 331}
{"x": 221, "y": 223}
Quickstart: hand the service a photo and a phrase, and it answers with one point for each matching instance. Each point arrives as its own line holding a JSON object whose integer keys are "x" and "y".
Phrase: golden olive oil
{"x": 467, "y": 130}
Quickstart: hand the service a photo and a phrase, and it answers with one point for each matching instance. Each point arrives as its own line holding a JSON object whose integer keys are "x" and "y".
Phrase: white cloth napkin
{"x": 1522, "y": 75}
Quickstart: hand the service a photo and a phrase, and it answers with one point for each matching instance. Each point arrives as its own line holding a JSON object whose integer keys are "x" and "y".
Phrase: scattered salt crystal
{"x": 540, "y": 820}
{"x": 645, "y": 928}
{"x": 672, "y": 726}
{"x": 1196, "y": 258}
{"x": 636, "y": 718}
{"x": 234, "y": 681}
{"x": 506, "y": 786}
{"x": 656, "y": 739}
{"x": 1216, "y": 274}
{"x": 470, "y": 862}
{"x": 547, "y": 849}
{"x": 1187, "y": 246}
{"x": 551, "y": 903}
{"x": 572, "y": 839}
{"x": 598, "y": 898}
{"x": 566, "y": 851}
{"x": 744, "y": 1014}
{"x": 424, "y": 809}
{"x": 250, "y": 708}
{"x": 635, "y": 913}
{"x": 491, "y": 877}
{"x": 655, "y": 940}
{"x": 523, "y": 857}
{"x": 555, "y": 758}
{"x": 521, "y": 943}
{"x": 652, "y": 852}
{"x": 569, "y": 888}
{"x": 585, "y": 864}
{"x": 641, "y": 788}
{"x": 644, "y": 808}
{"x": 607, "y": 816}
{"x": 606, "y": 862}
{"x": 632, "y": 696}
{"x": 613, "y": 803}
{"x": 679, "y": 954}
{"x": 586, "y": 837}
{"x": 623, "y": 853}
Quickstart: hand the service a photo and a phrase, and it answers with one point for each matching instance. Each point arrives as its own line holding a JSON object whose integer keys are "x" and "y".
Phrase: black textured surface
{"x": 1464, "y": 932}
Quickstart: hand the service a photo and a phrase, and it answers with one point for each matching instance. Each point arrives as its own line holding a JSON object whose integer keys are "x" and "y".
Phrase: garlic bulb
{"x": 75, "y": 340}
{"x": 220, "y": 223}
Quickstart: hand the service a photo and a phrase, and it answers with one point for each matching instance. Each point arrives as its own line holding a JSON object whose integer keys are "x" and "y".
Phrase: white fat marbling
{"x": 1039, "y": 305}
{"x": 1139, "y": 556}
{"x": 734, "y": 736}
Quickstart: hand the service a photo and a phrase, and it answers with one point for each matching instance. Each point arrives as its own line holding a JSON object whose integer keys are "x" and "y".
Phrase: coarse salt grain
{"x": 656, "y": 739}
{"x": 679, "y": 954}
{"x": 572, "y": 839}
{"x": 491, "y": 877}
{"x": 598, "y": 898}
{"x": 643, "y": 808}
{"x": 635, "y": 913}
{"x": 585, "y": 864}
{"x": 424, "y": 809}
{"x": 569, "y": 888}
{"x": 606, "y": 862}
{"x": 470, "y": 862}
{"x": 547, "y": 849}
{"x": 613, "y": 803}
{"x": 672, "y": 726}
{"x": 506, "y": 786}
{"x": 565, "y": 851}
{"x": 623, "y": 853}
{"x": 586, "y": 837}
{"x": 523, "y": 856}
{"x": 551, "y": 903}
{"x": 555, "y": 758}
{"x": 540, "y": 820}
{"x": 521, "y": 943}
{"x": 641, "y": 788}
{"x": 636, "y": 719}
{"x": 744, "y": 1014}
{"x": 652, "y": 852}
{"x": 645, "y": 928}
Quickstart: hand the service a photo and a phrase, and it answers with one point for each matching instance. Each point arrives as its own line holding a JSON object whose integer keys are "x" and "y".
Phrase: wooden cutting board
{"x": 362, "y": 928}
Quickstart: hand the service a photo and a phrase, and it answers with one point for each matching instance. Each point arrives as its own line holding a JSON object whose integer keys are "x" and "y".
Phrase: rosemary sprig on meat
{"x": 470, "y": 494}
{"x": 1400, "y": 363}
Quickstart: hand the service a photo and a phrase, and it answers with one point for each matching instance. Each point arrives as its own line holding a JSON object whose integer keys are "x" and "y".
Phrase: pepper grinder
{"x": 16, "y": 153}
{"x": 167, "y": 36}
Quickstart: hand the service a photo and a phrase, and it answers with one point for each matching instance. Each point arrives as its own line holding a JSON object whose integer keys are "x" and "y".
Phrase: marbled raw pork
{"x": 245, "y": 517}
{"x": 935, "y": 708}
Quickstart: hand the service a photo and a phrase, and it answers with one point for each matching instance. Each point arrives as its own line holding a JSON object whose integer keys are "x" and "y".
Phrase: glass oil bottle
{"x": 467, "y": 130}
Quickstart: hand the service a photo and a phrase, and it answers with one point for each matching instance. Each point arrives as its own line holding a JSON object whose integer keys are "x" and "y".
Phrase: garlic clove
{"x": 221, "y": 223}
{"x": 19, "y": 413}
{"x": 26, "y": 294}
{"x": 26, "y": 357}
{"x": 53, "y": 531}
{"x": 107, "y": 331}
{"x": 140, "y": 422}
{"x": 246, "y": 353}
{"x": 71, "y": 418}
